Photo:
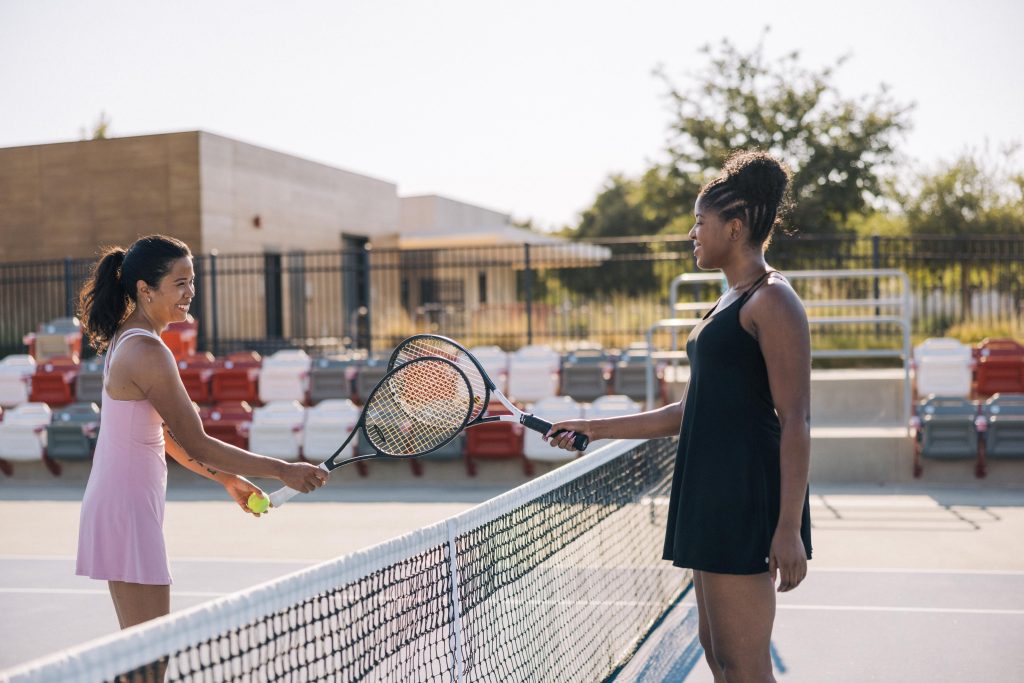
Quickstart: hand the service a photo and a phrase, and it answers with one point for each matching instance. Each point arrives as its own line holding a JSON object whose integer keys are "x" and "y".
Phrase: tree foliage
{"x": 975, "y": 194}
{"x": 838, "y": 148}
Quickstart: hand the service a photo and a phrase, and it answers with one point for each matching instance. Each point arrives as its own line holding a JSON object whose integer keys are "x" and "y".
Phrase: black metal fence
{"x": 607, "y": 292}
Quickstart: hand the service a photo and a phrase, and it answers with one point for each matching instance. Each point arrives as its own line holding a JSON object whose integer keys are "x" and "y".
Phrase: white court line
{"x": 94, "y": 591}
{"x": 898, "y": 570}
{"x": 883, "y": 608}
{"x": 176, "y": 560}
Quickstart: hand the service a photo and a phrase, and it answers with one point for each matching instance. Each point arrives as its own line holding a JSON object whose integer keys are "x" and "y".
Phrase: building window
{"x": 481, "y": 285}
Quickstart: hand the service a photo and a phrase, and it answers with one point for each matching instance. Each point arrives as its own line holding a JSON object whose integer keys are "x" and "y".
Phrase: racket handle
{"x": 282, "y": 496}
{"x": 580, "y": 442}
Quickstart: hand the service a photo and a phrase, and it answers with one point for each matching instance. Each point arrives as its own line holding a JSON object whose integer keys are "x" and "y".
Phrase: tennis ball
{"x": 258, "y": 503}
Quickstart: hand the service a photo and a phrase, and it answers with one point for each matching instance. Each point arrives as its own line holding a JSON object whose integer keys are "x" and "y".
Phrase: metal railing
{"x": 889, "y": 306}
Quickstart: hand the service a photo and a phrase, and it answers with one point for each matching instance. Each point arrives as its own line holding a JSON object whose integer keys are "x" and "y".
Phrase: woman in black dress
{"x": 738, "y": 513}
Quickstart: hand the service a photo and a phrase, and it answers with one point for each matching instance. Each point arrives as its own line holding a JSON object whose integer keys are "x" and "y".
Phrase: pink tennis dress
{"x": 120, "y": 531}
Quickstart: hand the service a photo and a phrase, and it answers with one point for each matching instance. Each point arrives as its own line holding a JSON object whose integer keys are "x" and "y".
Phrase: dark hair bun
{"x": 758, "y": 176}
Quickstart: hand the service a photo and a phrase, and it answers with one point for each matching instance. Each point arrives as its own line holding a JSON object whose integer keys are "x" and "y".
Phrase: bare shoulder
{"x": 146, "y": 358}
{"x": 775, "y": 306}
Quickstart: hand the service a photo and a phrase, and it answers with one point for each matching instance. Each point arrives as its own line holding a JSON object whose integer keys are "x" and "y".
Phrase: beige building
{"x": 290, "y": 235}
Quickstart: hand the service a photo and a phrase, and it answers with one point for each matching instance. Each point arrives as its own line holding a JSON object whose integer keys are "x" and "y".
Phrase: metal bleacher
{"x": 889, "y": 304}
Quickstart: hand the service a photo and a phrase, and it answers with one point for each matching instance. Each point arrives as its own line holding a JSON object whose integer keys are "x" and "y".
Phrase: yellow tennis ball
{"x": 258, "y": 503}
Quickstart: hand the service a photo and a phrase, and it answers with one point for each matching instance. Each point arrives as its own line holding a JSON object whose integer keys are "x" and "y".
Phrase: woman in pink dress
{"x": 132, "y": 296}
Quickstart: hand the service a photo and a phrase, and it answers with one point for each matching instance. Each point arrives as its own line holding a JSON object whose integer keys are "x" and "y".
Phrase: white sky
{"x": 523, "y": 106}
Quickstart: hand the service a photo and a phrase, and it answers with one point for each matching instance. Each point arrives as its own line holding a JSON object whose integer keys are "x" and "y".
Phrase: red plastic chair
{"x": 1000, "y": 367}
{"x": 495, "y": 440}
{"x": 196, "y": 371}
{"x": 228, "y": 421}
{"x": 181, "y": 338}
{"x": 236, "y": 377}
{"x": 54, "y": 381}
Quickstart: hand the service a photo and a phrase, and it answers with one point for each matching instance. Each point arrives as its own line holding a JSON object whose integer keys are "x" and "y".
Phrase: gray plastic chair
{"x": 1004, "y": 438}
{"x": 583, "y": 374}
{"x": 328, "y": 378}
{"x": 89, "y": 383}
{"x": 368, "y": 374}
{"x": 948, "y": 431}
{"x": 630, "y": 376}
{"x": 71, "y": 435}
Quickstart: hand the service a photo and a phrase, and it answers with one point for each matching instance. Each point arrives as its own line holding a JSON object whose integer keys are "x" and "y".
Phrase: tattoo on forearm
{"x": 190, "y": 458}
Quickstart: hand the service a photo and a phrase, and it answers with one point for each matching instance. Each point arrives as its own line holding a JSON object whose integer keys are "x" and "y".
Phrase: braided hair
{"x": 752, "y": 186}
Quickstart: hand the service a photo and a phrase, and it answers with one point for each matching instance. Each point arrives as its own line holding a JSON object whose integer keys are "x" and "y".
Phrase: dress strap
{"x": 754, "y": 287}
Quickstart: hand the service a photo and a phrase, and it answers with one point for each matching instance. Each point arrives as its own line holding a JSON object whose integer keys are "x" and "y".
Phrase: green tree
{"x": 837, "y": 147}
{"x": 975, "y": 194}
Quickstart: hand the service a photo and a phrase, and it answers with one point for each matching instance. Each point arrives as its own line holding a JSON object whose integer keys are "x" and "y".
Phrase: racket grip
{"x": 580, "y": 442}
{"x": 282, "y": 496}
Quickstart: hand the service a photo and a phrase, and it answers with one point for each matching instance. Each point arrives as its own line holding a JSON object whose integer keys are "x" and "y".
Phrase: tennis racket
{"x": 435, "y": 346}
{"x": 414, "y": 409}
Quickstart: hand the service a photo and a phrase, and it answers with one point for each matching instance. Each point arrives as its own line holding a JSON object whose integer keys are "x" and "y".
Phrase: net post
{"x": 453, "y": 572}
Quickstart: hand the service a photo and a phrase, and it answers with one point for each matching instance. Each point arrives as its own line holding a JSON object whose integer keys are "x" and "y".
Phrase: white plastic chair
{"x": 943, "y": 367}
{"x": 495, "y": 362}
{"x": 15, "y": 374}
{"x": 328, "y": 424}
{"x": 276, "y": 429}
{"x": 551, "y": 409}
{"x": 612, "y": 405}
{"x": 533, "y": 373}
{"x": 23, "y": 432}
{"x": 284, "y": 376}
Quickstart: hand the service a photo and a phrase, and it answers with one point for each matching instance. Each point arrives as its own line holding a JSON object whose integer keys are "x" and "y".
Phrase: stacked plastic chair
{"x": 15, "y": 377}
{"x": 89, "y": 382}
{"x": 276, "y": 430}
{"x": 585, "y": 374}
{"x": 1004, "y": 427}
{"x": 367, "y": 375}
{"x": 495, "y": 362}
{"x": 629, "y": 377}
{"x": 284, "y": 376}
{"x": 1000, "y": 367}
{"x": 533, "y": 373}
{"x": 196, "y": 370}
{"x": 612, "y": 405}
{"x": 943, "y": 367}
{"x": 72, "y": 432}
{"x": 182, "y": 338}
{"x": 495, "y": 440}
{"x": 553, "y": 409}
{"x": 947, "y": 428}
{"x": 330, "y": 379}
{"x": 328, "y": 424}
{"x": 228, "y": 421}
{"x": 236, "y": 377}
{"x": 54, "y": 381}
{"x": 23, "y": 435}
{"x": 59, "y": 337}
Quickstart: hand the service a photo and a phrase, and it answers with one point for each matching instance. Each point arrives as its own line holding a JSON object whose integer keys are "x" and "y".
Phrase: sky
{"x": 525, "y": 107}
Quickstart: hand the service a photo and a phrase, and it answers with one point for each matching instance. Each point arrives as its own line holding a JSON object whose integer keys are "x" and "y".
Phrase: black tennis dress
{"x": 724, "y": 504}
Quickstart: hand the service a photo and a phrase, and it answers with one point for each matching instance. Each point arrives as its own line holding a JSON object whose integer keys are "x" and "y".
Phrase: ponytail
{"x": 103, "y": 302}
{"x": 110, "y": 294}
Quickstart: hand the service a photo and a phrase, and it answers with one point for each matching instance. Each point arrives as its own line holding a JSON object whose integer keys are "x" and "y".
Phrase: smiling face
{"x": 169, "y": 302}
{"x": 713, "y": 238}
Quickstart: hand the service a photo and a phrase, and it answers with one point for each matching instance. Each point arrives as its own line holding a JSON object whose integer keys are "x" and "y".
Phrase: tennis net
{"x": 557, "y": 580}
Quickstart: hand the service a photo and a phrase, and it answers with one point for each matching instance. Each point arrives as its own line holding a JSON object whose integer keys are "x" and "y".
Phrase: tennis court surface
{"x": 557, "y": 580}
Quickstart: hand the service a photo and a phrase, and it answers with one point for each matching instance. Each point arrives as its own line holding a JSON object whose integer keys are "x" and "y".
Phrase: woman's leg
{"x": 704, "y": 629}
{"x": 740, "y": 610}
{"x": 138, "y": 602}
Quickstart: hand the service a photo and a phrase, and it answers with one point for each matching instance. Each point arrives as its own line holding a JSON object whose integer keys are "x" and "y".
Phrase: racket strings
{"x": 426, "y": 347}
{"x": 418, "y": 408}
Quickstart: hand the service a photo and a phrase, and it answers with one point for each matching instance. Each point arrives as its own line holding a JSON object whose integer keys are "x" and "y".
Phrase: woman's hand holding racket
{"x": 301, "y": 476}
{"x": 564, "y": 434}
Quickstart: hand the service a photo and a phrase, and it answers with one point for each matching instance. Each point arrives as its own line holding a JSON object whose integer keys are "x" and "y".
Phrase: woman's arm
{"x": 651, "y": 424}
{"x": 781, "y": 329}
{"x": 238, "y": 487}
{"x": 153, "y": 371}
